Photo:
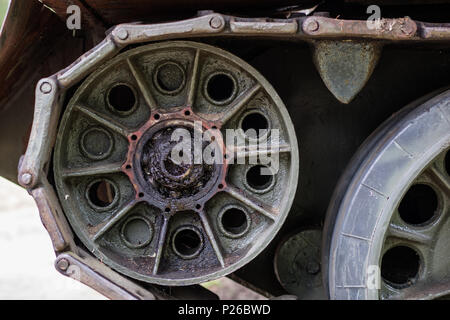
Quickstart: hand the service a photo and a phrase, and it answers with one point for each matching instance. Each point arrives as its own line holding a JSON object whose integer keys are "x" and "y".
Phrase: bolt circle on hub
{"x": 146, "y": 173}
{"x": 178, "y": 183}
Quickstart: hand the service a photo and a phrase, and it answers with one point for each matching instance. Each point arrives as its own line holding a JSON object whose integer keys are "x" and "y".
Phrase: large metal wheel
{"x": 147, "y": 215}
{"x": 388, "y": 226}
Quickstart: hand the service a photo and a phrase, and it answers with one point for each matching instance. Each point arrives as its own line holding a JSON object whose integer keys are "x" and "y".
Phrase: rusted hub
{"x": 171, "y": 178}
{"x": 163, "y": 173}
{"x": 148, "y": 176}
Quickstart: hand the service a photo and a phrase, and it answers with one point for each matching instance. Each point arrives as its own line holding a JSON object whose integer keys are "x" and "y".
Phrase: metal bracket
{"x": 345, "y": 67}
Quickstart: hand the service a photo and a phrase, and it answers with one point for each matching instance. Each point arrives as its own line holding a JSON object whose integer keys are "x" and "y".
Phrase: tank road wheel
{"x": 165, "y": 220}
{"x": 389, "y": 222}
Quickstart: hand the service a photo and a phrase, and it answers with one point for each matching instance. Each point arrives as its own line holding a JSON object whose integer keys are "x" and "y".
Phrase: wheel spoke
{"x": 104, "y": 120}
{"x": 252, "y": 203}
{"x": 194, "y": 79}
{"x": 405, "y": 233}
{"x": 212, "y": 238}
{"x": 143, "y": 85}
{"x": 93, "y": 170}
{"x": 161, "y": 243}
{"x": 239, "y": 104}
{"x": 104, "y": 227}
{"x": 439, "y": 178}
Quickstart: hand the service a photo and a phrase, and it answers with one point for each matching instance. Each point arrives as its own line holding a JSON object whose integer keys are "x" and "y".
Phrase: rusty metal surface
{"x": 116, "y": 12}
{"x": 34, "y": 167}
{"x": 93, "y": 27}
{"x": 41, "y": 23}
{"x": 96, "y": 275}
{"x": 90, "y": 19}
{"x": 389, "y": 29}
{"x": 303, "y": 28}
{"x": 263, "y": 27}
{"x": 32, "y": 34}
{"x": 28, "y": 28}
{"x": 37, "y": 22}
{"x": 52, "y": 218}
{"x": 345, "y": 67}
{"x": 149, "y": 187}
{"x": 436, "y": 33}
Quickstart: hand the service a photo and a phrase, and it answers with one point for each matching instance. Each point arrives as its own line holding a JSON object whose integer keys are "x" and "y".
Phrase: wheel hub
{"x": 169, "y": 161}
{"x": 170, "y": 177}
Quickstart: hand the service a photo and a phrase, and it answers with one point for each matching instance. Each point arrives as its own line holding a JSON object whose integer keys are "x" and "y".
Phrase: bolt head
{"x": 216, "y": 22}
{"x": 313, "y": 267}
{"x": 312, "y": 26}
{"x": 63, "y": 264}
{"x": 26, "y": 178}
{"x": 46, "y": 87}
{"x": 122, "y": 34}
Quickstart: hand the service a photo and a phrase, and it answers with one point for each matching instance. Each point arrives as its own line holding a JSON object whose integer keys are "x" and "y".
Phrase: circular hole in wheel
{"x": 122, "y": 98}
{"x": 137, "y": 232}
{"x": 170, "y": 78}
{"x": 419, "y": 205}
{"x": 255, "y": 125}
{"x": 96, "y": 143}
{"x": 187, "y": 242}
{"x": 447, "y": 162}
{"x": 220, "y": 88}
{"x": 101, "y": 194}
{"x": 400, "y": 266}
{"x": 234, "y": 221}
{"x": 259, "y": 177}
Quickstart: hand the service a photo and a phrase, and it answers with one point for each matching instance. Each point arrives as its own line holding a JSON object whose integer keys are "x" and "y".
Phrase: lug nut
{"x": 216, "y": 22}
{"x": 46, "y": 87}
{"x": 63, "y": 264}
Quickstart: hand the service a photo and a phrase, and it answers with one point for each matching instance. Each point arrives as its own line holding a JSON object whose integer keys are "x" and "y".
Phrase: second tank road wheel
{"x": 388, "y": 226}
{"x": 165, "y": 220}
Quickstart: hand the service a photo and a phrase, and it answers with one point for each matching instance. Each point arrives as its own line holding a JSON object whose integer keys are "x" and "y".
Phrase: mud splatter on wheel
{"x": 155, "y": 219}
